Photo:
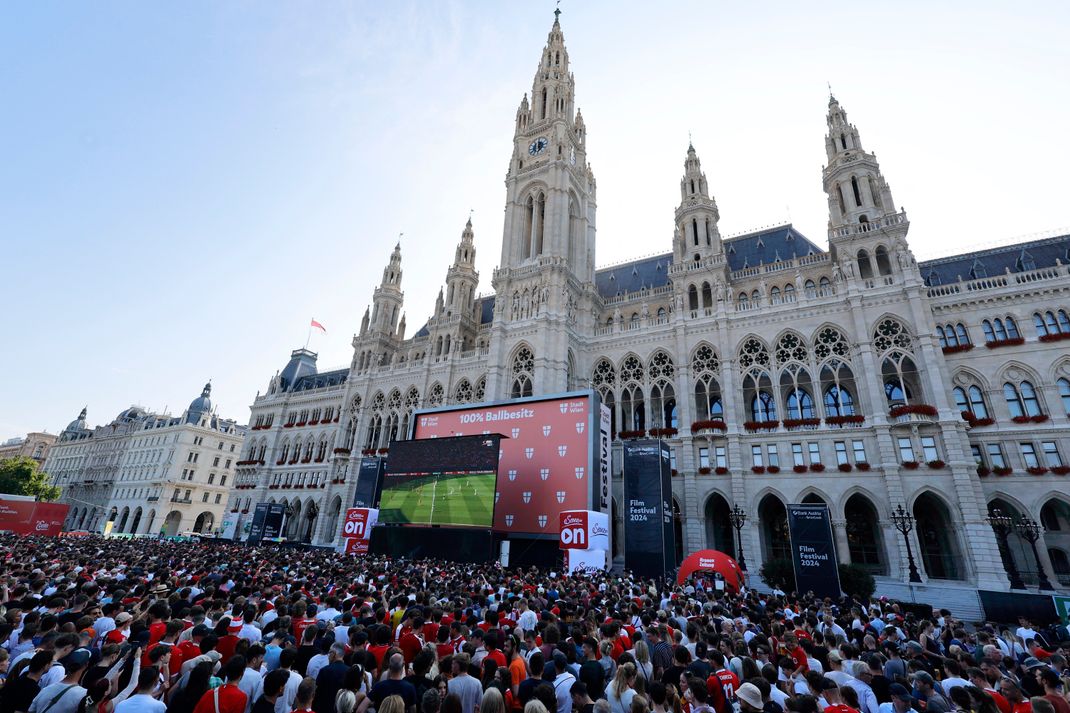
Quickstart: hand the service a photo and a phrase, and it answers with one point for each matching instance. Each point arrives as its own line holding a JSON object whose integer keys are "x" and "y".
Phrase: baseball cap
{"x": 1032, "y": 662}
{"x": 898, "y": 690}
{"x": 749, "y": 694}
{"x": 922, "y": 676}
{"x": 123, "y": 617}
{"x": 76, "y": 659}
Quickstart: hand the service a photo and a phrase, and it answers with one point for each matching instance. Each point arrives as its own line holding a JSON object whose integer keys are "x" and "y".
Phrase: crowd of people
{"x": 92, "y": 625}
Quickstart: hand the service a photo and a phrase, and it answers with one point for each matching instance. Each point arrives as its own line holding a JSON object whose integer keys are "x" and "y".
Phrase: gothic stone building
{"x": 779, "y": 371}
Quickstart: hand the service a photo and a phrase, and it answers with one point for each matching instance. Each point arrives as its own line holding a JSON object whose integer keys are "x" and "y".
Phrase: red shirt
{"x": 231, "y": 700}
{"x": 410, "y": 645}
{"x": 377, "y": 652}
{"x": 444, "y": 650}
{"x": 115, "y": 636}
{"x": 156, "y": 633}
{"x": 189, "y": 649}
{"x": 840, "y": 708}
{"x": 1022, "y": 707}
{"x": 727, "y": 681}
{"x": 499, "y": 658}
{"x": 1001, "y": 701}
{"x": 225, "y": 647}
{"x": 300, "y": 625}
{"x": 798, "y": 656}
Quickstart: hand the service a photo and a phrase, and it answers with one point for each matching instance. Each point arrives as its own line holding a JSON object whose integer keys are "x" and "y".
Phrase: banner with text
{"x": 369, "y": 482}
{"x": 813, "y": 551}
{"x": 649, "y": 541}
{"x": 267, "y": 522}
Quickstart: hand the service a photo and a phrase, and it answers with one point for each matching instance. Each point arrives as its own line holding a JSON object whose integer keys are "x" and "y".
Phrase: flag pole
{"x": 308, "y": 338}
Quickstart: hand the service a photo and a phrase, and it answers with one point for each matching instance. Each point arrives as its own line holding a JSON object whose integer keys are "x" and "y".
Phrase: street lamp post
{"x": 739, "y": 519}
{"x": 1003, "y": 525}
{"x": 904, "y": 522}
{"x": 1029, "y": 529}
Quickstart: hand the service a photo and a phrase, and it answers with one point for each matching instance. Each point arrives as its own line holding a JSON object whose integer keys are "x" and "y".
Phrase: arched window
{"x": 774, "y": 295}
{"x": 863, "y": 534}
{"x": 789, "y": 293}
{"x": 1021, "y": 400}
{"x": 1001, "y": 331}
{"x": 1064, "y": 394}
{"x": 692, "y": 298}
{"x": 800, "y": 404}
{"x": 1012, "y": 328}
{"x": 941, "y": 337}
{"x": 936, "y": 534}
{"x": 763, "y": 407}
{"x": 743, "y": 300}
{"x": 884, "y": 265}
{"x": 989, "y": 332}
{"x": 865, "y": 268}
{"x": 756, "y": 297}
{"x": 523, "y": 373}
{"x": 962, "y": 334}
{"x": 857, "y": 192}
{"x": 774, "y": 523}
{"x": 810, "y": 288}
{"x": 634, "y": 321}
{"x": 707, "y": 295}
{"x": 704, "y": 369}
{"x": 1064, "y": 321}
{"x": 839, "y": 402}
{"x": 971, "y": 401}
{"x": 1038, "y": 323}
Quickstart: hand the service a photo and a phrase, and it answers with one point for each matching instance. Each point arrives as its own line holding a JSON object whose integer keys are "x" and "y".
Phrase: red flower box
{"x": 773, "y": 469}
{"x": 273, "y": 487}
{"x": 704, "y": 470}
{"x": 287, "y": 425}
{"x": 280, "y": 462}
{"x": 817, "y": 467}
{"x": 1036, "y": 470}
{"x": 1057, "y": 337}
{"x": 1002, "y": 471}
{"x": 983, "y": 471}
{"x": 341, "y": 451}
{"x": 1039, "y": 418}
{"x": 957, "y": 349}
{"x": 673, "y": 473}
{"x": 383, "y": 451}
{"x": 910, "y": 464}
{"x": 313, "y": 422}
{"x": 336, "y": 418}
{"x": 710, "y": 425}
{"x": 758, "y": 469}
{"x": 632, "y": 434}
{"x": 799, "y": 468}
{"x": 720, "y": 470}
{"x": 1005, "y": 343}
{"x": 234, "y": 510}
{"x": 761, "y": 425}
{"x": 862, "y": 465}
{"x": 970, "y": 418}
{"x": 919, "y": 409}
{"x": 936, "y": 464}
{"x": 1061, "y": 469}
{"x": 318, "y": 460}
{"x": 801, "y": 422}
{"x": 843, "y": 420}
{"x": 245, "y": 511}
{"x": 663, "y": 432}
{"x": 844, "y": 467}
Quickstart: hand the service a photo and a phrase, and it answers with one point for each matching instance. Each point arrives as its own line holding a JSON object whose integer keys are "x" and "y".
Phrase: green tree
{"x": 21, "y": 476}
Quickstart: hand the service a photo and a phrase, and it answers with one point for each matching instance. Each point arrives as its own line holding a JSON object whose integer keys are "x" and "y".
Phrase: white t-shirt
{"x": 69, "y": 699}
{"x": 140, "y": 703}
{"x": 563, "y": 691}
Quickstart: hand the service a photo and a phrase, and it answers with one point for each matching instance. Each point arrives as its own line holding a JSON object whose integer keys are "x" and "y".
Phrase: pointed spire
{"x": 84, "y": 413}
{"x": 207, "y": 391}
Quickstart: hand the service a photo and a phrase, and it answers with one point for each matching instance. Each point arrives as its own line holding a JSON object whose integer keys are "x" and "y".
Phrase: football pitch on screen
{"x": 445, "y": 499}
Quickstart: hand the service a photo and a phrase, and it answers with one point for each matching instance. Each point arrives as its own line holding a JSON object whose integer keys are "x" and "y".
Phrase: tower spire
{"x": 697, "y": 214}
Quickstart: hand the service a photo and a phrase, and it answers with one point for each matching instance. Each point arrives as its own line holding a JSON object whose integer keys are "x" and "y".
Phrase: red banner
{"x": 356, "y": 547}
{"x": 27, "y": 517}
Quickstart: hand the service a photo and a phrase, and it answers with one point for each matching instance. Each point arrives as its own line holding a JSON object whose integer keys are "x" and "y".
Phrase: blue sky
{"x": 185, "y": 185}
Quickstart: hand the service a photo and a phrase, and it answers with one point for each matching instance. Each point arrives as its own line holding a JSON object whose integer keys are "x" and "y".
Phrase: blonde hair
{"x": 642, "y": 652}
{"x": 345, "y": 701}
{"x": 535, "y": 706}
{"x": 620, "y": 681}
{"x": 392, "y": 704}
{"x": 492, "y": 701}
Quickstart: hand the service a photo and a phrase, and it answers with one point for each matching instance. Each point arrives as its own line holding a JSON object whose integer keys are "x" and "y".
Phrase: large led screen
{"x": 549, "y": 456}
{"x": 446, "y": 481}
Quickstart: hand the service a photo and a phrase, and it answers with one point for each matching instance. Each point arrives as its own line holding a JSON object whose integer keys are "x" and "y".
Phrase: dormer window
{"x": 1025, "y": 262}
{"x": 978, "y": 270}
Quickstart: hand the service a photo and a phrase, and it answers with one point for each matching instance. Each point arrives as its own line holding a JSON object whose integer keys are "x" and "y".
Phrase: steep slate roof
{"x": 486, "y": 310}
{"x": 318, "y": 381}
{"x": 751, "y": 250}
{"x": 996, "y": 261}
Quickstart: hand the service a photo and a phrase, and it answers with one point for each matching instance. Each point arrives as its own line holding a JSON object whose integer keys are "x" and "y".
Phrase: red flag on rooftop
{"x": 319, "y": 326}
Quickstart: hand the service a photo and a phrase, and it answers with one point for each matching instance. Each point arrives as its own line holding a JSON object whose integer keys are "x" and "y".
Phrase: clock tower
{"x": 545, "y": 282}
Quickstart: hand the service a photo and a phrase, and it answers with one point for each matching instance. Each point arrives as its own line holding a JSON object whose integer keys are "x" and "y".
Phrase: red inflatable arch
{"x": 712, "y": 561}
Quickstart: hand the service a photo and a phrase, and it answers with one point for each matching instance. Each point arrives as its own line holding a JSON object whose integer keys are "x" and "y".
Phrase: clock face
{"x": 538, "y": 146}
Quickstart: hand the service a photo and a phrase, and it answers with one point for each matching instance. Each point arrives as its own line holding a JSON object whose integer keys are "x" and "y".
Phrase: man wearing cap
{"x": 830, "y": 691}
{"x": 121, "y": 631}
{"x": 934, "y": 699}
{"x": 66, "y": 695}
{"x": 750, "y": 698}
{"x": 901, "y": 701}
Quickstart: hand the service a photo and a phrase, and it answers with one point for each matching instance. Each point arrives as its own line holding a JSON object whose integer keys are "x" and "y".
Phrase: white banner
{"x": 586, "y": 561}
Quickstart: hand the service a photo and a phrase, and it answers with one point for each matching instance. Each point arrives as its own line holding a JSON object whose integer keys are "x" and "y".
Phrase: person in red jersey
{"x": 833, "y": 699}
{"x": 227, "y": 698}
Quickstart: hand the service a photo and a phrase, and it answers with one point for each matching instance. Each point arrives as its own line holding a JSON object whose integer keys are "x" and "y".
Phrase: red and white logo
{"x": 544, "y": 473}
{"x": 562, "y": 450}
{"x": 529, "y": 453}
{"x": 543, "y": 519}
{"x": 526, "y": 495}
{"x": 580, "y": 426}
{"x": 356, "y": 524}
{"x": 563, "y": 406}
{"x": 509, "y": 520}
{"x": 546, "y": 430}
{"x": 512, "y": 475}
{"x": 497, "y": 497}
{"x": 41, "y": 526}
{"x": 516, "y": 433}
{"x": 561, "y": 496}
{"x": 579, "y": 473}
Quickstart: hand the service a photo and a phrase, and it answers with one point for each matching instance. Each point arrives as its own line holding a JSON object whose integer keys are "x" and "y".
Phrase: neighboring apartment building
{"x": 779, "y": 371}
{"x": 148, "y": 473}
{"x": 32, "y": 445}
